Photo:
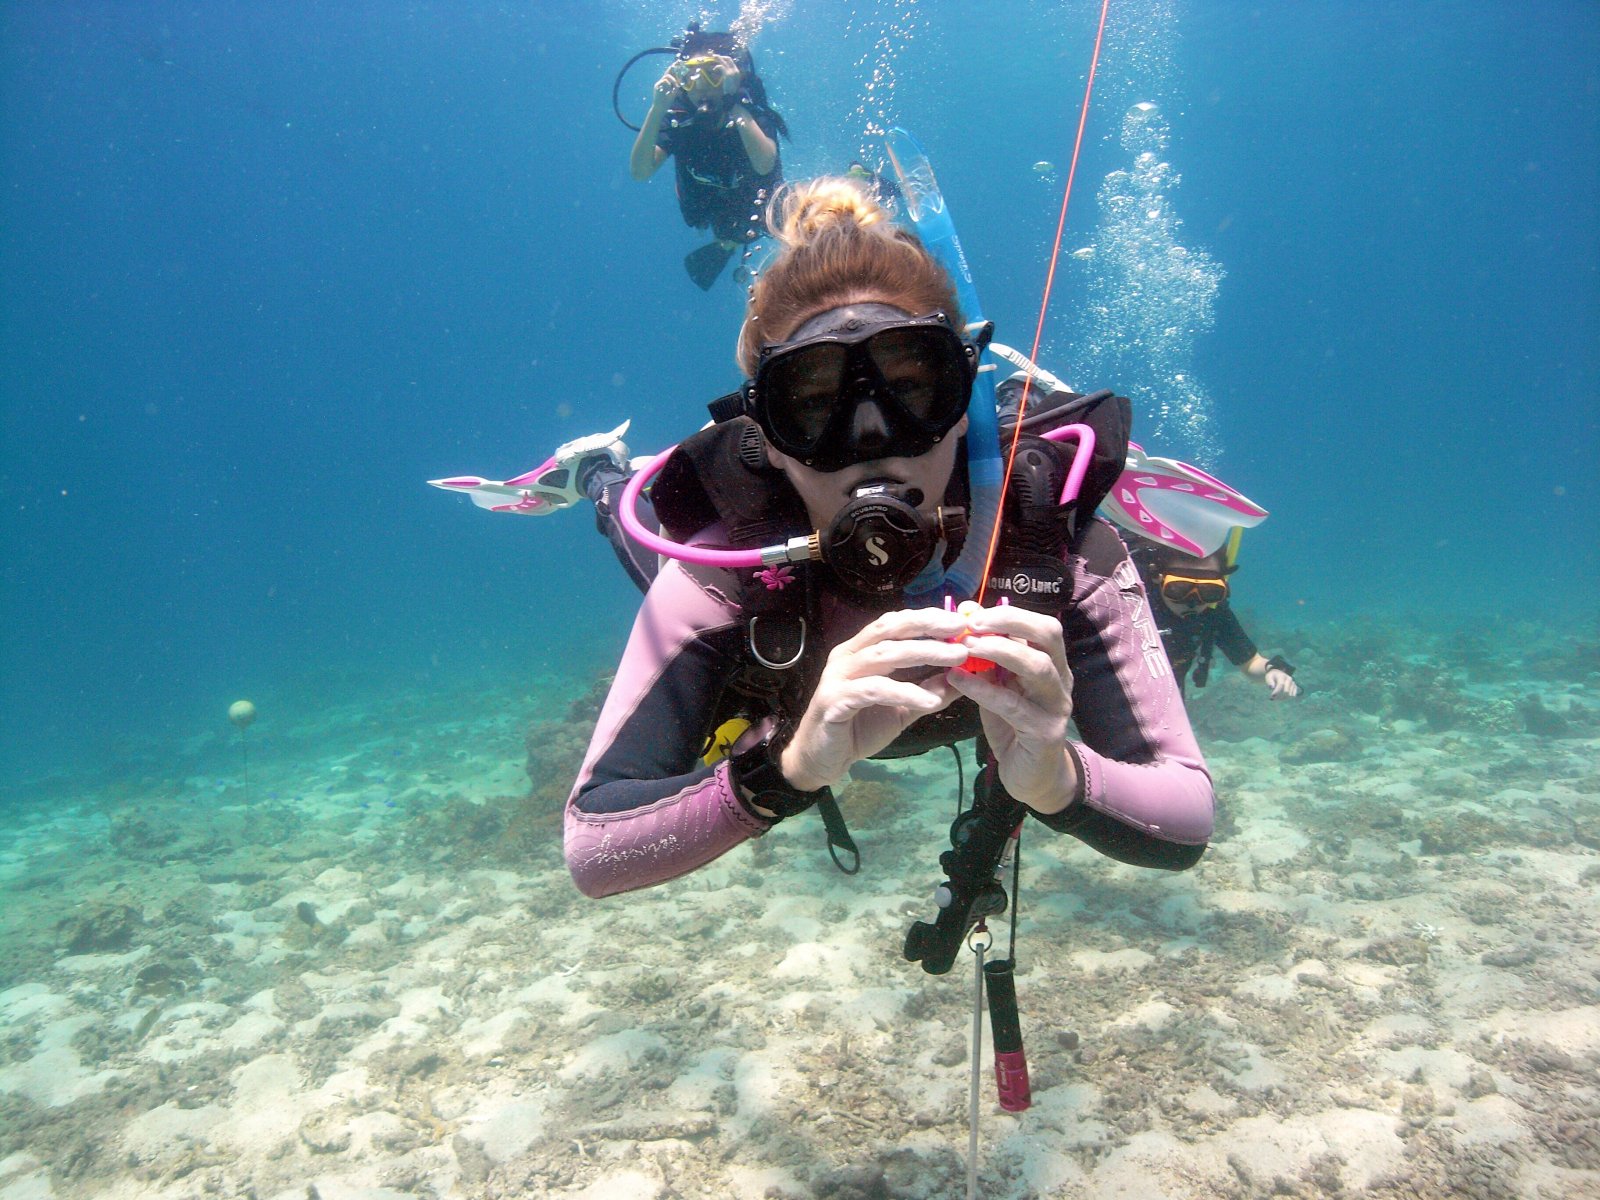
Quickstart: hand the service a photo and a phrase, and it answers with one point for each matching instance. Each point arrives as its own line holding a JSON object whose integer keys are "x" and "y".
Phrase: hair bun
{"x": 807, "y": 210}
{"x": 838, "y": 246}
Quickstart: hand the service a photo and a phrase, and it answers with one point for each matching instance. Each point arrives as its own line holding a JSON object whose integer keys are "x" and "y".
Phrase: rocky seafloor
{"x": 371, "y": 977}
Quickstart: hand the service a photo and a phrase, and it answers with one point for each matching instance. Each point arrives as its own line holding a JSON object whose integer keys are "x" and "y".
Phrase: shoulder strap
{"x": 1030, "y": 568}
{"x": 1108, "y": 414}
{"x": 1208, "y": 645}
{"x": 721, "y": 474}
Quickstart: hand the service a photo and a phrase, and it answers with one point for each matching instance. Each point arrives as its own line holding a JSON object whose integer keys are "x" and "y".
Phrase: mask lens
{"x": 802, "y": 390}
{"x": 809, "y": 395}
{"x": 708, "y": 68}
{"x": 1181, "y": 589}
{"x": 925, "y": 370}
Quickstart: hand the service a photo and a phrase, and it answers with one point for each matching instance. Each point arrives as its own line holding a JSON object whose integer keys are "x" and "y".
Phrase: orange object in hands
{"x": 968, "y": 608}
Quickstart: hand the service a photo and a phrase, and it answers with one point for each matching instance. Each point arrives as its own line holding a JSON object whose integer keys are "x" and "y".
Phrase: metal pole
{"x": 979, "y": 943}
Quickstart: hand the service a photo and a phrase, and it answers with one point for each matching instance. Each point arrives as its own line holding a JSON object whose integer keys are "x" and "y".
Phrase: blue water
{"x": 267, "y": 268}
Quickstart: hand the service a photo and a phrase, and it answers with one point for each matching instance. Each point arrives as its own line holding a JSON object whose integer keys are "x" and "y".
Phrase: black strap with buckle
{"x": 756, "y": 771}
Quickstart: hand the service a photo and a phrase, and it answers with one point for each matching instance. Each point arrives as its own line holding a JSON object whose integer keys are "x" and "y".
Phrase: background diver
{"x": 1195, "y": 618}
{"x": 709, "y": 114}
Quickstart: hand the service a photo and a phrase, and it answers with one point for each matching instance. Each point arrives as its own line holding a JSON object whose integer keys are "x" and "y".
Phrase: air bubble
{"x": 1149, "y": 297}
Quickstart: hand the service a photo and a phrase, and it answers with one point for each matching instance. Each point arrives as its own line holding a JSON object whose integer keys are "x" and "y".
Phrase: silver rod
{"x": 977, "y": 1071}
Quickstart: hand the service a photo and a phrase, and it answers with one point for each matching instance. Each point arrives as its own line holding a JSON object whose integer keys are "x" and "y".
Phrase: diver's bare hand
{"x": 873, "y": 686}
{"x": 732, "y": 78}
{"x": 1026, "y": 705}
{"x": 668, "y": 86}
{"x": 1281, "y": 684}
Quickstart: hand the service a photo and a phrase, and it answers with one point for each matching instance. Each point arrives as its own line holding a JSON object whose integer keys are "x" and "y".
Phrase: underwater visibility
{"x": 1055, "y": 659}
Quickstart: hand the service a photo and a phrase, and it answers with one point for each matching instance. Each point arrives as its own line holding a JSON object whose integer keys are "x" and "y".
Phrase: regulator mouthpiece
{"x": 881, "y": 540}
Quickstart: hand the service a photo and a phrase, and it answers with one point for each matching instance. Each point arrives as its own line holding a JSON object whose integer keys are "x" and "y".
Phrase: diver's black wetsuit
{"x": 1190, "y": 638}
{"x": 718, "y": 189}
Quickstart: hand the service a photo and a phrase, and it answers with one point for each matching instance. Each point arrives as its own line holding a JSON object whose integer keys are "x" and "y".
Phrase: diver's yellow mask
{"x": 1188, "y": 591}
{"x": 707, "y": 67}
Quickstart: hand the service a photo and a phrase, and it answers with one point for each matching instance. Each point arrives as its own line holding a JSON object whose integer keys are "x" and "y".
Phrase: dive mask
{"x": 874, "y": 384}
{"x": 1187, "y": 590}
{"x": 704, "y": 64}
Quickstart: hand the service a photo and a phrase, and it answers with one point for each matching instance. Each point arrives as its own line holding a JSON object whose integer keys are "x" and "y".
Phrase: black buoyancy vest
{"x": 1036, "y": 529}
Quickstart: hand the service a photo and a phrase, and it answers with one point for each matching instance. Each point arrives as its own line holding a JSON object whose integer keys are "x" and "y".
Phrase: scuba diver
{"x": 1195, "y": 618}
{"x": 1182, "y": 527}
{"x": 747, "y": 691}
{"x": 709, "y": 113}
{"x": 767, "y": 660}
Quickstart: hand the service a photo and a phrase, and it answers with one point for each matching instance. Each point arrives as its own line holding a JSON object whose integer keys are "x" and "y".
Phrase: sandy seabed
{"x": 372, "y": 978}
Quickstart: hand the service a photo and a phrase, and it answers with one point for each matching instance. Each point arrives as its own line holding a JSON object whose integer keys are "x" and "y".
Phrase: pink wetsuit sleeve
{"x": 1140, "y": 761}
{"x": 644, "y": 809}
{"x": 619, "y": 852}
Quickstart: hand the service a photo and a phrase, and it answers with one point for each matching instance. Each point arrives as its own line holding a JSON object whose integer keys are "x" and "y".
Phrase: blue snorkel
{"x": 930, "y": 216}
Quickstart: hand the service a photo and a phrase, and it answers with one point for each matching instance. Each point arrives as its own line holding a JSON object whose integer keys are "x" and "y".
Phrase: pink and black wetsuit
{"x": 645, "y": 809}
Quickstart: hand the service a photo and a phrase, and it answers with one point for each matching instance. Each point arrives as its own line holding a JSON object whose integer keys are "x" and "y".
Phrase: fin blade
{"x": 705, "y": 264}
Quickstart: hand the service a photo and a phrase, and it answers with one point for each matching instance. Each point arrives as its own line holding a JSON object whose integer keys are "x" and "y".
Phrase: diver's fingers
{"x": 1012, "y": 620}
{"x": 884, "y": 658}
{"x": 1282, "y": 684}
{"x": 904, "y": 624}
{"x": 1032, "y": 723}
{"x": 1039, "y": 672}
{"x": 1025, "y": 659}
{"x": 845, "y": 703}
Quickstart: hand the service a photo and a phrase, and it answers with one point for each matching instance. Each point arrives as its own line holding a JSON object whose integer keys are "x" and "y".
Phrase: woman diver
{"x": 850, "y": 427}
